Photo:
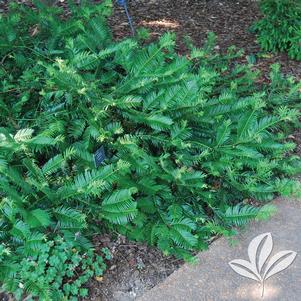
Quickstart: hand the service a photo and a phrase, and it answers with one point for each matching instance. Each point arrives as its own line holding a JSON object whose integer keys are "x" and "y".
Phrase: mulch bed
{"x": 135, "y": 267}
{"x": 230, "y": 20}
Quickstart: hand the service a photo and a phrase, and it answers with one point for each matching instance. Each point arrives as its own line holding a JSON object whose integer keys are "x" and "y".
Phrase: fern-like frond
{"x": 119, "y": 207}
{"x": 68, "y": 218}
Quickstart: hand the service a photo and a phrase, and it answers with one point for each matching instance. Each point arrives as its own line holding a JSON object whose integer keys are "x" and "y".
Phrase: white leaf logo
{"x": 258, "y": 269}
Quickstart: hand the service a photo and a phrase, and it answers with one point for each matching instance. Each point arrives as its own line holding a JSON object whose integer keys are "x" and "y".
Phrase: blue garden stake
{"x": 124, "y": 4}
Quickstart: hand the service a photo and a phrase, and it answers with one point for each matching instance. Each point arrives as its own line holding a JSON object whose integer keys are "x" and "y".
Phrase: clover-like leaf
{"x": 279, "y": 262}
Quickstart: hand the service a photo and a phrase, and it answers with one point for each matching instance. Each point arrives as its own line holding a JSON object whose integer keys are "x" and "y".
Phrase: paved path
{"x": 212, "y": 279}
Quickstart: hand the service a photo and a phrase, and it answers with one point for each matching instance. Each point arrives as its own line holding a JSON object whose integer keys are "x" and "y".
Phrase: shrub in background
{"x": 280, "y": 27}
{"x": 187, "y": 140}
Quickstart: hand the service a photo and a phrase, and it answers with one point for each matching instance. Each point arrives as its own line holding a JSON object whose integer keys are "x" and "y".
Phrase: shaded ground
{"x": 229, "y": 19}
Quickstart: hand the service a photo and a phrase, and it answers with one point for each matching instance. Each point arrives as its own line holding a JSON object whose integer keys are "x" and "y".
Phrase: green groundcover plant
{"x": 57, "y": 272}
{"x": 187, "y": 141}
{"x": 280, "y": 27}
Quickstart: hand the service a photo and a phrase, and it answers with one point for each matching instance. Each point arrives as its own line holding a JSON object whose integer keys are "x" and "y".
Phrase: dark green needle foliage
{"x": 188, "y": 141}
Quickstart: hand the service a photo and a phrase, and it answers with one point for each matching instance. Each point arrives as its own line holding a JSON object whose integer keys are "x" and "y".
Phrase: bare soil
{"x": 134, "y": 268}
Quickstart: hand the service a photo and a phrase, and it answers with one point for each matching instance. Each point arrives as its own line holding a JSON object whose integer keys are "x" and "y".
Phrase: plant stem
{"x": 262, "y": 288}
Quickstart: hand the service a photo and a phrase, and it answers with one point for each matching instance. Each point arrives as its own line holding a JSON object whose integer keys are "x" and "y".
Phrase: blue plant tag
{"x": 99, "y": 156}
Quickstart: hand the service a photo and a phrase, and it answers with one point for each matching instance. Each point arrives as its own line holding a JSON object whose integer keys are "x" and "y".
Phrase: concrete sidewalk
{"x": 213, "y": 279}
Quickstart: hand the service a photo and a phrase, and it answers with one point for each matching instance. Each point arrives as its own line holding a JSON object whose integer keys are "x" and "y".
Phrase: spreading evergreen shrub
{"x": 280, "y": 27}
{"x": 188, "y": 140}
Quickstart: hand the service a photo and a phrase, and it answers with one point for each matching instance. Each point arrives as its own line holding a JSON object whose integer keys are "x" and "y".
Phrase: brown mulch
{"x": 230, "y": 20}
